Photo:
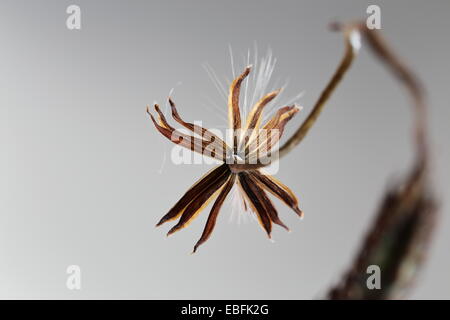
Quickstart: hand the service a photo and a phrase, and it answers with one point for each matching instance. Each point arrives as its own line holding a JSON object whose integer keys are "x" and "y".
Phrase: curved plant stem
{"x": 398, "y": 240}
{"x": 352, "y": 44}
{"x": 407, "y": 78}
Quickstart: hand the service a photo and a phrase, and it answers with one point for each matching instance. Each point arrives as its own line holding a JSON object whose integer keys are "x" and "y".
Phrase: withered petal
{"x": 190, "y": 142}
{"x": 254, "y": 117}
{"x": 234, "y": 114}
{"x": 199, "y": 187}
{"x": 258, "y": 207}
{"x": 205, "y": 133}
{"x": 278, "y": 189}
{"x": 162, "y": 118}
{"x": 270, "y": 124}
{"x": 199, "y": 202}
{"x": 263, "y": 144}
{"x": 211, "y": 222}
{"x": 264, "y": 199}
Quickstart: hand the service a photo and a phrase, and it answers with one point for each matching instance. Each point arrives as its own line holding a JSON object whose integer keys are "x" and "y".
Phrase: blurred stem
{"x": 407, "y": 78}
{"x": 398, "y": 240}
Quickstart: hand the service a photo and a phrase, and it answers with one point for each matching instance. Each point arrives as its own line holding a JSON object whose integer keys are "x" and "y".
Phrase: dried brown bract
{"x": 251, "y": 148}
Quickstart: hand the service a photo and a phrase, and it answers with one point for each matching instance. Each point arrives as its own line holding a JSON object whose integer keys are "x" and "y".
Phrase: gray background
{"x": 81, "y": 179}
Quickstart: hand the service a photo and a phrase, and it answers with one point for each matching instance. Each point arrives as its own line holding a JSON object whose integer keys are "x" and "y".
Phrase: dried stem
{"x": 399, "y": 237}
{"x": 352, "y": 44}
{"x": 408, "y": 80}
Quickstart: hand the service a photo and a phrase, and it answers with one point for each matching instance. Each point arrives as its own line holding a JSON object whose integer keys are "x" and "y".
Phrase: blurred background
{"x": 85, "y": 176}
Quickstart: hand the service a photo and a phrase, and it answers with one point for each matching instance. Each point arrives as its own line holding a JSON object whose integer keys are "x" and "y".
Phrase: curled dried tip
{"x": 281, "y": 224}
{"x": 172, "y": 231}
{"x": 295, "y": 108}
{"x": 156, "y": 106}
{"x": 147, "y": 109}
{"x": 173, "y": 108}
{"x": 245, "y": 73}
{"x": 153, "y": 119}
{"x": 277, "y": 91}
{"x": 299, "y": 212}
{"x": 195, "y": 248}
{"x": 298, "y": 107}
{"x": 292, "y": 112}
{"x": 271, "y": 95}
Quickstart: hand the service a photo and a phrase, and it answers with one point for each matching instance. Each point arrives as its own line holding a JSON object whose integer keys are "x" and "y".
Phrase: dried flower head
{"x": 250, "y": 149}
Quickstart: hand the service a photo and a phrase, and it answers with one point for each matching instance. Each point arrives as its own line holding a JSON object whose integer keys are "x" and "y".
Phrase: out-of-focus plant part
{"x": 398, "y": 240}
{"x": 396, "y": 243}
